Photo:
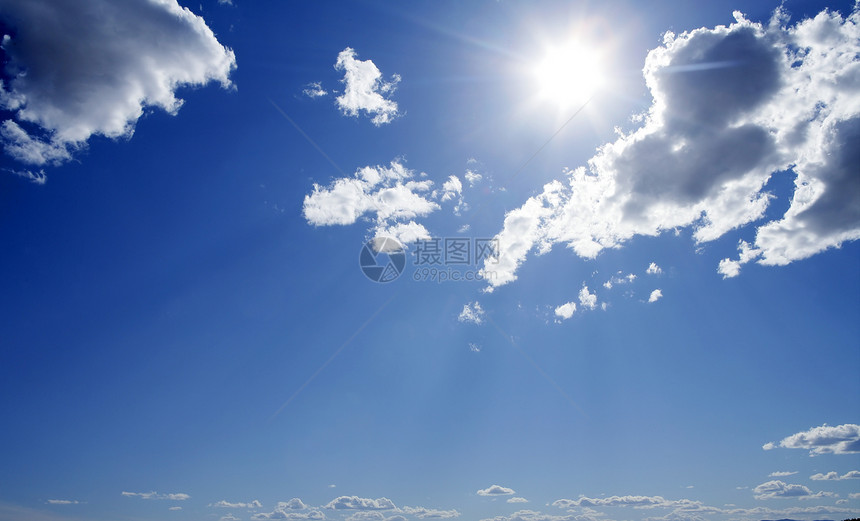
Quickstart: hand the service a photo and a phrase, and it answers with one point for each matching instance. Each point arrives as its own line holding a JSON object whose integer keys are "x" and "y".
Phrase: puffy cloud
{"x": 496, "y": 490}
{"x": 517, "y": 500}
{"x": 729, "y": 268}
{"x": 226, "y": 504}
{"x": 732, "y": 107}
{"x": 586, "y": 299}
{"x": 841, "y": 439}
{"x": 655, "y": 295}
{"x": 833, "y": 475}
{"x": 390, "y": 193}
{"x": 452, "y": 189}
{"x": 653, "y": 269}
{"x": 155, "y": 495}
{"x": 472, "y": 312}
{"x": 365, "y": 90}
{"x": 358, "y": 503}
{"x": 79, "y": 69}
{"x": 473, "y": 178}
{"x": 565, "y": 311}
{"x": 780, "y": 489}
{"x": 314, "y": 90}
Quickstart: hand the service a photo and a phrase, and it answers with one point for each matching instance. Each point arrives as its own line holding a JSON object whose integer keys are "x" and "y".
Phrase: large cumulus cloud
{"x": 75, "y": 69}
{"x": 732, "y": 107}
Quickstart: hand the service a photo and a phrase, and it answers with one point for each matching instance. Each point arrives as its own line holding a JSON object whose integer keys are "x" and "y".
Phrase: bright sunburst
{"x": 568, "y": 74}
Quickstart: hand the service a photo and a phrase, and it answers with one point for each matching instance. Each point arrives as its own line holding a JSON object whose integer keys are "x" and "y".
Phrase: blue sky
{"x": 664, "y": 327}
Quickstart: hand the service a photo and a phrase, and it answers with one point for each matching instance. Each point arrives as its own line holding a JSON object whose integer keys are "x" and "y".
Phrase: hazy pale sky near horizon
{"x": 391, "y": 261}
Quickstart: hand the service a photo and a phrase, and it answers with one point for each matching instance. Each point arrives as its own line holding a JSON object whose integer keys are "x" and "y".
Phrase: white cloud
{"x": 174, "y": 509}
{"x": 496, "y": 490}
{"x": 655, "y": 295}
{"x": 781, "y": 474}
{"x": 729, "y": 268}
{"x": 854, "y": 495}
{"x": 586, "y": 299}
{"x": 841, "y": 439}
{"x": 91, "y": 68}
{"x": 429, "y": 513}
{"x": 358, "y": 503}
{"x": 732, "y": 107}
{"x": 38, "y": 177}
{"x": 565, "y": 311}
{"x": 229, "y": 517}
{"x": 475, "y": 348}
{"x": 390, "y": 193}
{"x": 63, "y": 502}
{"x": 779, "y": 489}
{"x": 155, "y": 495}
{"x": 314, "y": 90}
{"x": 278, "y": 513}
{"x": 226, "y": 504}
{"x": 473, "y": 178}
{"x": 472, "y": 312}
{"x": 365, "y": 89}
{"x": 531, "y": 515}
{"x": 653, "y": 269}
{"x": 517, "y": 500}
{"x": 452, "y": 189}
{"x": 834, "y": 476}
{"x": 613, "y": 501}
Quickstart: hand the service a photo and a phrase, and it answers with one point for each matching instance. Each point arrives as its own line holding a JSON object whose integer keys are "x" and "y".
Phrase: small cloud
{"x": 586, "y": 299}
{"x": 359, "y": 503}
{"x": 63, "y": 502}
{"x": 834, "y": 476}
{"x": 38, "y": 178}
{"x": 655, "y": 295}
{"x": 227, "y": 504}
{"x": 475, "y": 348}
{"x": 517, "y": 500}
{"x": 156, "y": 495}
{"x": 365, "y": 89}
{"x": 779, "y": 489}
{"x": 653, "y": 269}
{"x": 175, "y": 508}
{"x": 314, "y": 90}
{"x": 825, "y": 439}
{"x": 565, "y": 311}
{"x": 496, "y": 490}
{"x": 473, "y": 178}
{"x": 472, "y": 312}
{"x": 781, "y": 474}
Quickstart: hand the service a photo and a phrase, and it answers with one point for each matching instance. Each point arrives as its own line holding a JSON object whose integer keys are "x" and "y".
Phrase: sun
{"x": 568, "y": 74}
